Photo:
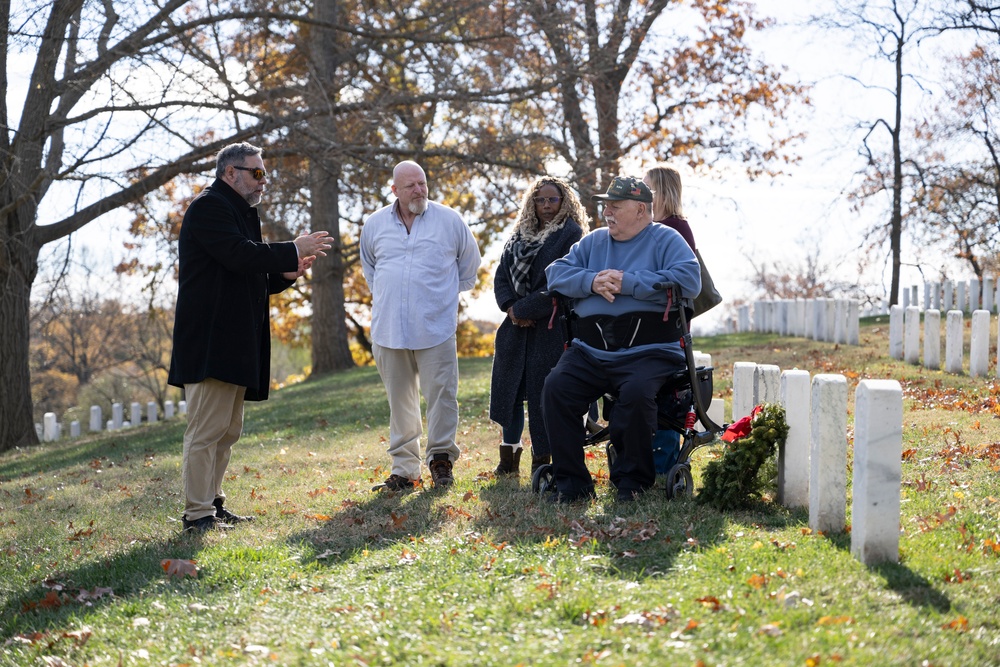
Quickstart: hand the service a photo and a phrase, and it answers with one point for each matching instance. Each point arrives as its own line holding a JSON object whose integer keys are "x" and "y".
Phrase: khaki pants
{"x": 406, "y": 374}
{"x": 215, "y": 421}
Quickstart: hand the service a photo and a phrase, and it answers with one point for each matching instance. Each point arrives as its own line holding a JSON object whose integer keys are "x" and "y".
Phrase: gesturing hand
{"x": 304, "y": 264}
{"x": 310, "y": 245}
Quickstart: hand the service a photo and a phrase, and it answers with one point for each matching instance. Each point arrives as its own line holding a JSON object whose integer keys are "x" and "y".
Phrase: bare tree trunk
{"x": 330, "y": 350}
{"x": 896, "y": 223}
{"x": 17, "y": 271}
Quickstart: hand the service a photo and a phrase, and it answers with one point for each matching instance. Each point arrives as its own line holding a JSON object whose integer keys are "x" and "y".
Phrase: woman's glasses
{"x": 547, "y": 200}
{"x": 258, "y": 173}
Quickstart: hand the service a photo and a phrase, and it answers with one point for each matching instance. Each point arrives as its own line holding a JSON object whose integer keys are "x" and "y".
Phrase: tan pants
{"x": 215, "y": 421}
{"x": 406, "y": 374}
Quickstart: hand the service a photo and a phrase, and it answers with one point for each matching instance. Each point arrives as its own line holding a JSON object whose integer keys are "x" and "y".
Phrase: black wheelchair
{"x": 682, "y": 400}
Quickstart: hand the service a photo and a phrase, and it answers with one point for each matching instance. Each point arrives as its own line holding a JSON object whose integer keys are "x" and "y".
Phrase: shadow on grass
{"x": 913, "y": 588}
{"x": 122, "y": 446}
{"x": 128, "y": 573}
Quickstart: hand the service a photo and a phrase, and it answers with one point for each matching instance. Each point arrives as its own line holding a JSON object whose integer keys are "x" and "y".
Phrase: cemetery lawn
{"x": 95, "y": 569}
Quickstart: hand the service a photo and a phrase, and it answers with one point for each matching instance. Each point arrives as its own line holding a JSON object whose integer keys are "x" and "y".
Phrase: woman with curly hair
{"x": 551, "y": 220}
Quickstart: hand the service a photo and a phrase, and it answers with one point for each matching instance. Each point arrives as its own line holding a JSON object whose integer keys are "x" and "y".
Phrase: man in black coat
{"x": 222, "y": 346}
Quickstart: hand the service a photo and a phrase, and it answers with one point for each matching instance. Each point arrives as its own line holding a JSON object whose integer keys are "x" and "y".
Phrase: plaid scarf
{"x": 522, "y": 254}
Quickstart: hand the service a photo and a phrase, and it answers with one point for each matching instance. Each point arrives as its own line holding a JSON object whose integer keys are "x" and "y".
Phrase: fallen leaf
{"x": 176, "y": 567}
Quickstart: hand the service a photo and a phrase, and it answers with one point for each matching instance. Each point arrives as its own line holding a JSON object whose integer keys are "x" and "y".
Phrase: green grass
{"x": 482, "y": 573}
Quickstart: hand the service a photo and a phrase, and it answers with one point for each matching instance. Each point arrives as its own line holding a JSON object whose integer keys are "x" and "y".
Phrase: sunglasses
{"x": 258, "y": 173}
{"x": 547, "y": 200}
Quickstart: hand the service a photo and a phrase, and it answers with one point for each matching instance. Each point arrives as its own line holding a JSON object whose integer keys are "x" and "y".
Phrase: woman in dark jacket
{"x": 525, "y": 348}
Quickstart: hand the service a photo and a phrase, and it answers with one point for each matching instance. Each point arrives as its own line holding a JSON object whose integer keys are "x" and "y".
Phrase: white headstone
{"x": 932, "y": 339}
{"x": 914, "y": 296}
{"x": 831, "y": 321}
{"x": 766, "y": 384}
{"x": 911, "y": 344}
{"x": 743, "y": 372}
{"x": 948, "y": 298}
{"x": 819, "y": 322}
{"x": 809, "y": 324}
{"x": 927, "y": 296}
{"x": 954, "y": 343}
{"x": 38, "y": 430}
{"x": 988, "y": 292}
{"x": 74, "y": 429}
{"x": 979, "y": 345}
{"x": 840, "y": 322}
{"x": 828, "y": 454}
{"x": 117, "y": 416}
{"x": 152, "y": 412}
{"x": 936, "y": 291}
{"x": 168, "y": 410}
{"x": 110, "y": 425}
{"x": 878, "y": 449}
{"x": 50, "y": 429}
{"x": 793, "y": 458}
{"x": 182, "y": 407}
{"x": 960, "y": 302}
{"x": 906, "y": 298}
{"x": 896, "y": 332}
{"x": 95, "y": 418}
{"x": 800, "y": 318}
{"x": 974, "y": 294}
{"x": 701, "y": 359}
{"x": 853, "y": 322}
{"x": 136, "y": 414}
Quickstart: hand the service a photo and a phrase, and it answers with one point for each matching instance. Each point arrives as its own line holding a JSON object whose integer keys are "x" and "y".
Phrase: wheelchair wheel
{"x": 542, "y": 479}
{"x": 680, "y": 483}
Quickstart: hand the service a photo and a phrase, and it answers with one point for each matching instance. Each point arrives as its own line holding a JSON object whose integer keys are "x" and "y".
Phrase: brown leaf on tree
{"x": 177, "y": 567}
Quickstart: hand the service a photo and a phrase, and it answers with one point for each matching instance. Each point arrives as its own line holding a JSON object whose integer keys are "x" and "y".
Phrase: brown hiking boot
{"x": 397, "y": 483}
{"x": 510, "y": 461}
{"x": 441, "y": 471}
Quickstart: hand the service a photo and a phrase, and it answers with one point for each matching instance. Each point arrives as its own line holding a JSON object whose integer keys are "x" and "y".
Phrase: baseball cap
{"x": 626, "y": 187}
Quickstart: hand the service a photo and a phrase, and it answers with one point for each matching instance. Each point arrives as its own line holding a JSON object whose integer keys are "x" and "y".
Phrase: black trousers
{"x": 576, "y": 382}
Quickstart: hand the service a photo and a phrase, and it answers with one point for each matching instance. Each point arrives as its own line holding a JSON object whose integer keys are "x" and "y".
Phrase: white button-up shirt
{"x": 415, "y": 277}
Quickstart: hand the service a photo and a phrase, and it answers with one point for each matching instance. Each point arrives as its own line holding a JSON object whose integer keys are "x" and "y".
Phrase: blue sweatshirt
{"x": 657, "y": 254}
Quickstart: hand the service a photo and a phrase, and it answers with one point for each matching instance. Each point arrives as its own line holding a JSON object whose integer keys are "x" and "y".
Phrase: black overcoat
{"x": 222, "y": 327}
{"x": 528, "y": 352}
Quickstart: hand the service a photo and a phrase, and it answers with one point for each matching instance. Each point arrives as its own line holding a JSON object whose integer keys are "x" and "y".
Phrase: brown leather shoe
{"x": 441, "y": 471}
{"x": 204, "y": 524}
{"x": 227, "y": 516}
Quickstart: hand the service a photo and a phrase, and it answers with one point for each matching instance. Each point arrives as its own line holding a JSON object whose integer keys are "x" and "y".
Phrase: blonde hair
{"x": 528, "y": 223}
{"x": 665, "y": 182}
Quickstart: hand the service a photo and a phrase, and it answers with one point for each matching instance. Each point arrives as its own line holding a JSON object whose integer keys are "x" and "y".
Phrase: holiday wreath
{"x": 731, "y": 481}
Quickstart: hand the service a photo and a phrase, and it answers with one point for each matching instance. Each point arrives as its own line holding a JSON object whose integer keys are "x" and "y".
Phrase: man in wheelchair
{"x": 623, "y": 340}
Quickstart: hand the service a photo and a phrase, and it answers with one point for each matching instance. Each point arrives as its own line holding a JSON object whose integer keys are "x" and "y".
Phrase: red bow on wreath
{"x": 741, "y": 428}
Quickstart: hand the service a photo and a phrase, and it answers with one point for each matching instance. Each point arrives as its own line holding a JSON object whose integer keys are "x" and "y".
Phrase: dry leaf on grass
{"x": 176, "y": 567}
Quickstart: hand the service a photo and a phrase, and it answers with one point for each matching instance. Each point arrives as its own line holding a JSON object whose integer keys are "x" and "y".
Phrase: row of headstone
{"x": 966, "y": 296}
{"x": 830, "y": 320}
{"x": 905, "y": 345}
{"x": 51, "y": 429}
{"x": 812, "y": 464}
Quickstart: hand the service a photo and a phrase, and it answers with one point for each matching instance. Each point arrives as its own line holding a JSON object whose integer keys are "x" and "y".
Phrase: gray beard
{"x": 416, "y": 208}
